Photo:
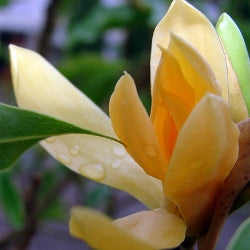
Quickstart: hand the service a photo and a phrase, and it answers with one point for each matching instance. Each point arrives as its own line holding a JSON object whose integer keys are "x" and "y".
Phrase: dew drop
{"x": 119, "y": 151}
{"x": 116, "y": 164}
{"x": 74, "y": 151}
{"x": 50, "y": 139}
{"x": 197, "y": 164}
{"x": 150, "y": 151}
{"x": 188, "y": 180}
{"x": 93, "y": 171}
{"x": 64, "y": 159}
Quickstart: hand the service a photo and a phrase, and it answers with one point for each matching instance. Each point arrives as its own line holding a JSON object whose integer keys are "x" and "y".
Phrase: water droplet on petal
{"x": 119, "y": 151}
{"x": 74, "y": 151}
{"x": 64, "y": 159}
{"x": 93, "y": 171}
{"x": 150, "y": 151}
{"x": 197, "y": 164}
{"x": 51, "y": 139}
{"x": 116, "y": 164}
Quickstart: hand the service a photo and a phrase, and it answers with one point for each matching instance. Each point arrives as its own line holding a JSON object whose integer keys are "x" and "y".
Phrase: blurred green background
{"x": 91, "y": 42}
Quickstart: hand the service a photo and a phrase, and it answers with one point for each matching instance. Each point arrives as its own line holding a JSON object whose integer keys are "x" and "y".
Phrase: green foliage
{"x": 145, "y": 97}
{"x": 11, "y": 201}
{"x": 240, "y": 240}
{"x": 157, "y": 9}
{"x": 20, "y": 129}
{"x": 88, "y": 29}
{"x": 91, "y": 26}
{"x": 4, "y": 2}
{"x": 239, "y": 11}
{"x": 52, "y": 206}
{"x": 95, "y": 76}
{"x": 56, "y": 211}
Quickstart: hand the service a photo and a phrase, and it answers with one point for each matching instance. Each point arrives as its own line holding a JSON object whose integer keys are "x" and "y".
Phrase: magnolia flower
{"x": 174, "y": 161}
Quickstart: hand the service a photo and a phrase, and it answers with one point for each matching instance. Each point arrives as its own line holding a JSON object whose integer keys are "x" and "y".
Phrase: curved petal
{"x": 192, "y": 26}
{"x": 99, "y": 232}
{"x": 196, "y": 172}
{"x": 158, "y": 228}
{"x": 40, "y": 87}
{"x": 183, "y": 78}
{"x": 195, "y": 68}
{"x": 236, "y": 100}
{"x": 172, "y": 101}
{"x": 134, "y": 128}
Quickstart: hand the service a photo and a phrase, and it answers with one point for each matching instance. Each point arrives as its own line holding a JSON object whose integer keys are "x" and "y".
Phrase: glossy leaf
{"x": 236, "y": 49}
{"x": 20, "y": 129}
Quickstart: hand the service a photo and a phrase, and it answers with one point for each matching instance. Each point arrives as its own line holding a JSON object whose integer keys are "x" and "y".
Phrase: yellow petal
{"x": 40, "y": 87}
{"x": 172, "y": 90}
{"x": 172, "y": 101}
{"x": 194, "y": 67}
{"x": 205, "y": 152}
{"x": 192, "y": 26}
{"x": 134, "y": 128}
{"x": 98, "y": 231}
{"x": 182, "y": 79}
{"x": 165, "y": 128}
{"x": 158, "y": 228}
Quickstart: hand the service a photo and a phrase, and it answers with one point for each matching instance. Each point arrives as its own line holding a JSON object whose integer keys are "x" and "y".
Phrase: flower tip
{"x": 222, "y": 20}
{"x": 122, "y": 84}
{"x": 125, "y": 77}
{"x": 13, "y": 50}
{"x": 125, "y": 74}
{"x": 12, "y": 47}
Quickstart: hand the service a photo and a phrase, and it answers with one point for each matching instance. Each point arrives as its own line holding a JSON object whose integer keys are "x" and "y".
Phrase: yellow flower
{"x": 176, "y": 159}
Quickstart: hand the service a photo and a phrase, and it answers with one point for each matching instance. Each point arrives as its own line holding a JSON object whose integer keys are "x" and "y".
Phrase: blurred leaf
{"x": 77, "y": 9}
{"x": 51, "y": 182}
{"x": 240, "y": 240}
{"x": 56, "y": 211}
{"x": 4, "y": 2}
{"x": 239, "y": 11}
{"x": 98, "y": 196}
{"x": 145, "y": 97}
{"x": 11, "y": 201}
{"x": 157, "y": 8}
{"x": 20, "y": 129}
{"x": 95, "y": 76}
{"x": 99, "y": 18}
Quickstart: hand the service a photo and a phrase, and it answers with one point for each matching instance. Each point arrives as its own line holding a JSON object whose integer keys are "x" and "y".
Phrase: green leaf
{"x": 241, "y": 238}
{"x": 54, "y": 211}
{"x": 11, "y": 201}
{"x": 235, "y": 47}
{"x": 98, "y": 19}
{"x": 20, "y": 129}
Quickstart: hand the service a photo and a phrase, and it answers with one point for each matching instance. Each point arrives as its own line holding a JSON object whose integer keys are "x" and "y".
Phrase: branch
{"x": 238, "y": 178}
{"x": 48, "y": 28}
